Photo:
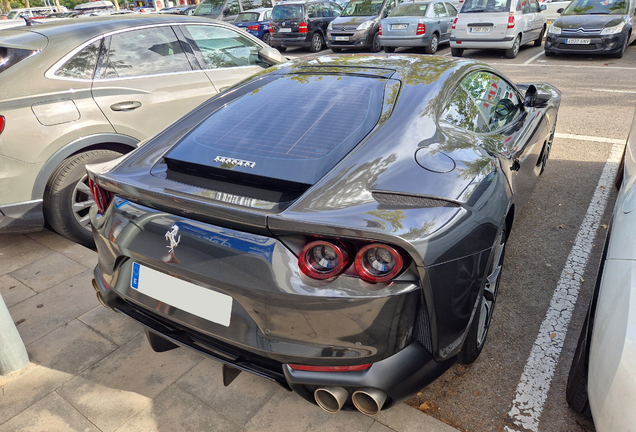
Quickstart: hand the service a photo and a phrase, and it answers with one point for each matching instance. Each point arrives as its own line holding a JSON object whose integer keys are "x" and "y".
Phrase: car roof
{"x": 257, "y": 10}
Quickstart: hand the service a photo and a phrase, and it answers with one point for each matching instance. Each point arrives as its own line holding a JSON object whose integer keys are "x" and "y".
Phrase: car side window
{"x": 149, "y": 51}
{"x": 496, "y": 99}
{"x": 221, "y": 47}
{"x": 525, "y": 6}
{"x": 312, "y": 11}
{"x": 81, "y": 65}
{"x": 337, "y": 10}
{"x": 267, "y": 16}
{"x": 452, "y": 11}
{"x": 462, "y": 112}
{"x": 234, "y": 7}
{"x": 439, "y": 10}
{"x": 324, "y": 10}
{"x": 534, "y": 6}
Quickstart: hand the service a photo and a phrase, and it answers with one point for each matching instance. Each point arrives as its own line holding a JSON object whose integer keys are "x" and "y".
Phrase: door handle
{"x": 125, "y": 106}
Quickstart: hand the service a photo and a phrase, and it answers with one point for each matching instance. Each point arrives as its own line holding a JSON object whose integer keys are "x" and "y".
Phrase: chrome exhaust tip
{"x": 369, "y": 401}
{"x": 95, "y": 287}
{"x": 331, "y": 399}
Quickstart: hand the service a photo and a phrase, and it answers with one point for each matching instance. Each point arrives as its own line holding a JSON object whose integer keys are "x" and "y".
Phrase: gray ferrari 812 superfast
{"x": 335, "y": 224}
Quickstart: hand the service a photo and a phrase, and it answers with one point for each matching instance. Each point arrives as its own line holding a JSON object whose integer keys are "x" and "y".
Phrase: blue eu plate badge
{"x": 134, "y": 279}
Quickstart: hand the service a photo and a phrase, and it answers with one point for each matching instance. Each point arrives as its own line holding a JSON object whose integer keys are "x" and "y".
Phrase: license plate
{"x": 342, "y": 38}
{"x": 284, "y": 30}
{"x": 399, "y": 26}
{"x": 479, "y": 30}
{"x": 205, "y": 303}
{"x": 577, "y": 41}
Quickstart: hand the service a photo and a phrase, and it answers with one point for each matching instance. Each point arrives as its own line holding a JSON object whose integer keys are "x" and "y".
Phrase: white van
{"x": 34, "y": 12}
{"x": 95, "y": 8}
{"x": 497, "y": 24}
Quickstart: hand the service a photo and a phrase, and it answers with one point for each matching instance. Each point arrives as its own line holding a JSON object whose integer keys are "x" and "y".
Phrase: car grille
{"x": 580, "y": 31}
{"x": 341, "y": 34}
{"x": 591, "y": 47}
{"x": 395, "y": 200}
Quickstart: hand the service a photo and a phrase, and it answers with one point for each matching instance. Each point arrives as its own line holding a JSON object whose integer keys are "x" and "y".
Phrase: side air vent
{"x": 423, "y": 329}
{"x": 396, "y": 200}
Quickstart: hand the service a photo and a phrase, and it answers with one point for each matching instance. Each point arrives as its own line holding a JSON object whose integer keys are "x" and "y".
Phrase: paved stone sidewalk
{"x": 92, "y": 369}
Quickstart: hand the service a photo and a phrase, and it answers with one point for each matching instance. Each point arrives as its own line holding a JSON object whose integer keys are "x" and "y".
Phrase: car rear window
{"x": 476, "y": 6}
{"x": 409, "y": 10}
{"x": 285, "y": 12}
{"x": 293, "y": 129}
{"x": 247, "y": 17}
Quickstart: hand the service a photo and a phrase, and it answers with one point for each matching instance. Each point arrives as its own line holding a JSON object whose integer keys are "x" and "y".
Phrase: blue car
{"x": 255, "y": 22}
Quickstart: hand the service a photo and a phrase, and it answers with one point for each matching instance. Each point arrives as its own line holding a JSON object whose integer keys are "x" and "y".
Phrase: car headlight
{"x": 330, "y": 26}
{"x": 613, "y": 30}
{"x": 365, "y": 25}
{"x": 554, "y": 30}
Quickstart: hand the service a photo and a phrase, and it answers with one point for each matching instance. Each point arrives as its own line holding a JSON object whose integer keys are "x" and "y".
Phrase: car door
{"x": 441, "y": 16}
{"x": 144, "y": 81}
{"x": 537, "y": 19}
{"x": 227, "y": 56}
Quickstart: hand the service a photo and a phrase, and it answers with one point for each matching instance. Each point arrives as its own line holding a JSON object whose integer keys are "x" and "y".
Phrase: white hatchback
{"x": 497, "y": 24}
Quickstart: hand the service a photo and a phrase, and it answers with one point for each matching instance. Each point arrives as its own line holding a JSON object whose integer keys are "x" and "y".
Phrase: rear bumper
{"x": 277, "y": 41}
{"x": 399, "y": 376}
{"x": 21, "y": 217}
{"x": 598, "y": 44}
{"x": 504, "y": 43}
{"x": 397, "y": 41}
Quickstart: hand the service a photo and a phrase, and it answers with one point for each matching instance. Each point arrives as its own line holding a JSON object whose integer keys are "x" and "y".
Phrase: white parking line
{"x": 614, "y": 91}
{"x": 534, "y": 58}
{"x": 589, "y": 138}
{"x": 537, "y": 376}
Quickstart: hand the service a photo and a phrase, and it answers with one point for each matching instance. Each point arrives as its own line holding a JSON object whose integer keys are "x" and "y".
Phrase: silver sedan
{"x": 418, "y": 24}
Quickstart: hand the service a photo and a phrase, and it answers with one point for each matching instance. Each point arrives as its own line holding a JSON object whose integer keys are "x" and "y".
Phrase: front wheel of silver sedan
{"x": 478, "y": 331}
{"x": 67, "y": 198}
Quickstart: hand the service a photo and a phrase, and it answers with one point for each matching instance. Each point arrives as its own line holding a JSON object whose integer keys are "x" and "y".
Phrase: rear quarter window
{"x": 81, "y": 65}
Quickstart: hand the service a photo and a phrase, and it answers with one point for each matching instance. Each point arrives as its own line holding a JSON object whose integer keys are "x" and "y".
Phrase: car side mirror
{"x": 543, "y": 7}
{"x": 560, "y": 10}
{"x": 226, "y": 11}
{"x": 271, "y": 56}
{"x": 535, "y": 97}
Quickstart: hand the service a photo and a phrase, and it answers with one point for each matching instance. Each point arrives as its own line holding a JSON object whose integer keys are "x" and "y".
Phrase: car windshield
{"x": 362, "y": 8}
{"x": 409, "y": 10}
{"x": 286, "y": 12}
{"x": 596, "y": 7}
{"x": 486, "y": 6}
{"x": 210, "y": 7}
{"x": 247, "y": 17}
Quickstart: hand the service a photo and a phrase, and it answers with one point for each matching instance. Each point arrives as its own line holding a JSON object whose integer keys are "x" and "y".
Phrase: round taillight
{"x": 322, "y": 259}
{"x": 378, "y": 263}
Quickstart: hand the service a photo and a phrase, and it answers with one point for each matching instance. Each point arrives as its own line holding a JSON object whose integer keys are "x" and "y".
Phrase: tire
{"x": 67, "y": 198}
{"x": 389, "y": 50}
{"x": 622, "y": 51}
{"x": 316, "y": 43}
{"x": 336, "y": 50}
{"x": 267, "y": 38}
{"x": 433, "y": 45}
{"x": 476, "y": 338}
{"x": 281, "y": 49}
{"x": 375, "y": 45}
{"x": 512, "y": 52}
{"x": 538, "y": 42}
{"x": 546, "y": 152}
{"x": 457, "y": 52}
{"x": 576, "y": 388}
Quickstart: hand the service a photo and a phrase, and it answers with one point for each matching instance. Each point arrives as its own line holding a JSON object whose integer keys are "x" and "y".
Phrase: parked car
{"x": 349, "y": 247}
{"x": 593, "y": 27}
{"x": 302, "y": 23}
{"x": 256, "y": 23}
{"x": 552, "y": 7}
{"x": 227, "y": 10}
{"x": 359, "y": 25}
{"x": 418, "y": 24}
{"x": 94, "y": 8}
{"x": 62, "y": 15}
{"x": 89, "y": 89}
{"x": 34, "y": 12}
{"x": 602, "y": 379}
{"x": 144, "y": 9}
{"x": 497, "y": 24}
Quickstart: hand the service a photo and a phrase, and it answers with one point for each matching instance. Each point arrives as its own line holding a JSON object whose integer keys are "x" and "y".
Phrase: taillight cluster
{"x": 254, "y": 27}
{"x": 421, "y": 29}
{"x": 102, "y": 197}
{"x": 2, "y": 121}
{"x": 511, "y": 20}
{"x": 454, "y": 24}
{"x": 302, "y": 27}
{"x": 380, "y": 31}
{"x": 374, "y": 262}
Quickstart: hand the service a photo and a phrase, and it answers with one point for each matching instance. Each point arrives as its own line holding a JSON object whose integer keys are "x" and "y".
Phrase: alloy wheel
{"x": 490, "y": 290}
{"x": 81, "y": 202}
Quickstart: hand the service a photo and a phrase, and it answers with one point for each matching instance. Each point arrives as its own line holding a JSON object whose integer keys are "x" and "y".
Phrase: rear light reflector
{"x": 330, "y": 368}
{"x": 511, "y": 20}
{"x": 2, "y": 122}
{"x": 380, "y": 31}
{"x": 253, "y": 27}
{"x": 302, "y": 27}
{"x": 377, "y": 262}
{"x": 454, "y": 23}
{"x": 322, "y": 260}
{"x": 421, "y": 29}
{"x": 101, "y": 197}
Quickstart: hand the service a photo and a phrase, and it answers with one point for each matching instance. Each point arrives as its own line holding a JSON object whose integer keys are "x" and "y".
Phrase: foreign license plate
{"x": 205, "y": 303}
{"x": 479, "y": 30}
{"x": 399, "y": 26}
{"x": 284, "y": 30}
{"x": 342, "y": 38}
{"x": 577, "y": 41}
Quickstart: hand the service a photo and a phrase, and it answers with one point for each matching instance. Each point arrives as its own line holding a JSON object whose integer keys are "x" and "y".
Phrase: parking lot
{"x": 599, "y": 98}
{"x": 503, "y": 390}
